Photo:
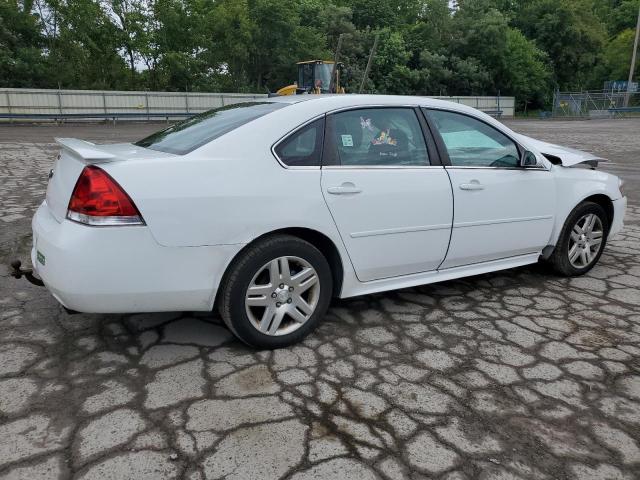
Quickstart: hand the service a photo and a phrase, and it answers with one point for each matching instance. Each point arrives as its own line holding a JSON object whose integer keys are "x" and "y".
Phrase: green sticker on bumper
{"x": 40, "y": 257}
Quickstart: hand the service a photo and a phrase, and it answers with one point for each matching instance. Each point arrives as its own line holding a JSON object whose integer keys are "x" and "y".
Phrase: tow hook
{"x": 26, "y": 272}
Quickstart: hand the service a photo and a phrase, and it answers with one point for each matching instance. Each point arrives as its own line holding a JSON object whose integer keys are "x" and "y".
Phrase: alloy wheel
{"x": 282, "y": 295}
{"x": 585, "y": 240}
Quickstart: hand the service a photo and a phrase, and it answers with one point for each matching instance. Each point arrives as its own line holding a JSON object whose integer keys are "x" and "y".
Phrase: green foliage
{"x": 624, "y": 15}
{"x": 526, "y": 74}
{"x": 617, "y": 55}
{"x": 20, "y": 47}
{"x": 382, "y": 13}
{"x": 524, "y": 48}
{"x": 571, "y": 34}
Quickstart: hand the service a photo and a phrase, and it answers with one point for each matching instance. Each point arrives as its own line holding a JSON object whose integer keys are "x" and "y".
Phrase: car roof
{"x": 330, "y": 102}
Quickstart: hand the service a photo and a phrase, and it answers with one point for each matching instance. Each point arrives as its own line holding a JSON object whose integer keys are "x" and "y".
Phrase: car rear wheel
{"x": 276, "y": 292}
{"x": 581, "y": 241}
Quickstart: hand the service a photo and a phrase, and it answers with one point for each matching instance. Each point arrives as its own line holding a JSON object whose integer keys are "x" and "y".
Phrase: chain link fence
{"x": 596, "y": 104}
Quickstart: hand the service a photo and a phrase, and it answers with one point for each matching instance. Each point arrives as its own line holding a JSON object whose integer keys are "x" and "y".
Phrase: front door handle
{"x": 472, "y": 185}
{"x": 344, "y": 189}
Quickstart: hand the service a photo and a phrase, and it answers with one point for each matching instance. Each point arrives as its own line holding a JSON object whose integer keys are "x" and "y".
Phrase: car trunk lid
{"x": 77, "y": 154}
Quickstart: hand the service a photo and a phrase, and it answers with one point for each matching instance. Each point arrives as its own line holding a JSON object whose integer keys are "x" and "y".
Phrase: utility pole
{"x": 369, "y": 62}
{"x": 333, "y": 83}
{"x": 633, "y": 61}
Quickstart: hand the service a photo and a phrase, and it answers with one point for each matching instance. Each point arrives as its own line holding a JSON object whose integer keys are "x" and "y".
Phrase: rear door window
{"x": 376, "y": 137}
{"x": 184, "y": 137}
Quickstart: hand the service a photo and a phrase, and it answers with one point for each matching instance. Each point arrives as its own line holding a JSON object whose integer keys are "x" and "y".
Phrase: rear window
{"x": 184, "y": 137}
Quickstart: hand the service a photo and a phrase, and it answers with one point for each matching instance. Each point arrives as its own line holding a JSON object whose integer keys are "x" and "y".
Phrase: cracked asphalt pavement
{"x": 516, "y": 374}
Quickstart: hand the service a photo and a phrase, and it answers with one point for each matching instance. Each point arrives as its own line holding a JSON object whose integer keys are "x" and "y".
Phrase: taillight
{"x": 97, "y": 199}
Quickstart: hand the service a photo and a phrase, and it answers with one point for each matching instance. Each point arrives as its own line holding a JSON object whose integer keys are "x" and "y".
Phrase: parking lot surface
{"x": 516, "y": 374}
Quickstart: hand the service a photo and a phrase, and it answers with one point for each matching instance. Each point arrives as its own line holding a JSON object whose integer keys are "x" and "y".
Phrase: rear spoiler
{"x": 85, "y": 150}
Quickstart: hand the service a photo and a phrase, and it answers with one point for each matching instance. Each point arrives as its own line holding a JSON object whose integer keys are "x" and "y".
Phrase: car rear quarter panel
{"x": 226, "y": 200}
{"x": 229, "y": 192}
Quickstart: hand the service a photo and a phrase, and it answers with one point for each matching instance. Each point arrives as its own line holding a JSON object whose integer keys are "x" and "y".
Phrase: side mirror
{"x": 528, "y": 160}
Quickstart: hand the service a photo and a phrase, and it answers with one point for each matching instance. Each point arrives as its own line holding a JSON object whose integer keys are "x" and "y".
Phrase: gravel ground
{"x": 517, "y": 374}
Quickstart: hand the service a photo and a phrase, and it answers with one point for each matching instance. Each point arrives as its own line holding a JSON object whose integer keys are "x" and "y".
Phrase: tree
{"x": 618, "y": 56}
{"x": 483, "y": 36}
{"x": 623, "y": 15}
{"x": 391, "y": 62}
{"x": 524, "y": 48}
{"x": 432, "y": 30}
{"x": 527, "y": 75}
{"x": 80, "y": 45}
{"x": 449, "y": 75}
{"x": 571, "y": 35}
{"x": 21, "y": 43}
{"x": 229, "y": 39}
{"x": 131, "y": 21}
{"x": 382, "y": 13}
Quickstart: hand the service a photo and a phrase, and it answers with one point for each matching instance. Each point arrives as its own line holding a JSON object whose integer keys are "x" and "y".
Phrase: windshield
{"x": 323, "y": 76}
{"x": 184, "y": 137}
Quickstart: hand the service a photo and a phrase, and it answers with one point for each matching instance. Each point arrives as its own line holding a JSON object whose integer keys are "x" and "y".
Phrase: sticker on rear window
{"x": 366, "y": 123}
{"x": 347, "y": 140}
{"x": 385, "y": 139}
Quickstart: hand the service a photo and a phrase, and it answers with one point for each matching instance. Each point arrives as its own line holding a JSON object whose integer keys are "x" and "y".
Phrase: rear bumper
{"x": 123, "y": 269}
{"x": 619, "y": 209}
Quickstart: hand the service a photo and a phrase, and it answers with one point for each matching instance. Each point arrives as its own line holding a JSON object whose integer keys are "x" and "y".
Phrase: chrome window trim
{"x": 379, "y": 167}
{"x": 473, "y": 167}
{"x": 286, "y": 136}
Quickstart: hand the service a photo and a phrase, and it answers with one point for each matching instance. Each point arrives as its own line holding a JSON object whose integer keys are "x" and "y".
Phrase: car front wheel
{"x": 581, "y": 241}
{"x": 276, "y": 292}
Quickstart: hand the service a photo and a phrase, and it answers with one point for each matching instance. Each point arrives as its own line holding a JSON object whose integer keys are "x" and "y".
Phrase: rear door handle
{"x": 472, "y": 185}
{"x": 344, "y": 189}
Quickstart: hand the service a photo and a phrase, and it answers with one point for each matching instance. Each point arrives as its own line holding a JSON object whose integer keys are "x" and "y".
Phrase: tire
{"x": 273, "y": 316}
{"x": 561, "y": 260}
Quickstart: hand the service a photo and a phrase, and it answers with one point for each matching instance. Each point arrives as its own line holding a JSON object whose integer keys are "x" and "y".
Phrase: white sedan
{"x": 267, "y": 210}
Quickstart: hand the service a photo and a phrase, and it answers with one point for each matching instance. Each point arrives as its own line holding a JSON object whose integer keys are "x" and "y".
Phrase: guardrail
{"x": 493, "y": 113}
{"x": 94, "y": 116}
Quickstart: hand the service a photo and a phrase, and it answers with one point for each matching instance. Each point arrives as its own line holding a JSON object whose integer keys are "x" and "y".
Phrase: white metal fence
{"x": 506, "y": 106}
{"x": 58, "y": 104}
{"x": 119, "y": 104}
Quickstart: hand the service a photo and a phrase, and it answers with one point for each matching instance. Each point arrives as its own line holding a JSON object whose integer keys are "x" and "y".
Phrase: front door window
{"x": 472, "y": 143}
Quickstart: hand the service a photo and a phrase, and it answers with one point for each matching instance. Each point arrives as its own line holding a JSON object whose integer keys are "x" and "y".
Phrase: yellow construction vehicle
{"x": 316, "y": 76}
